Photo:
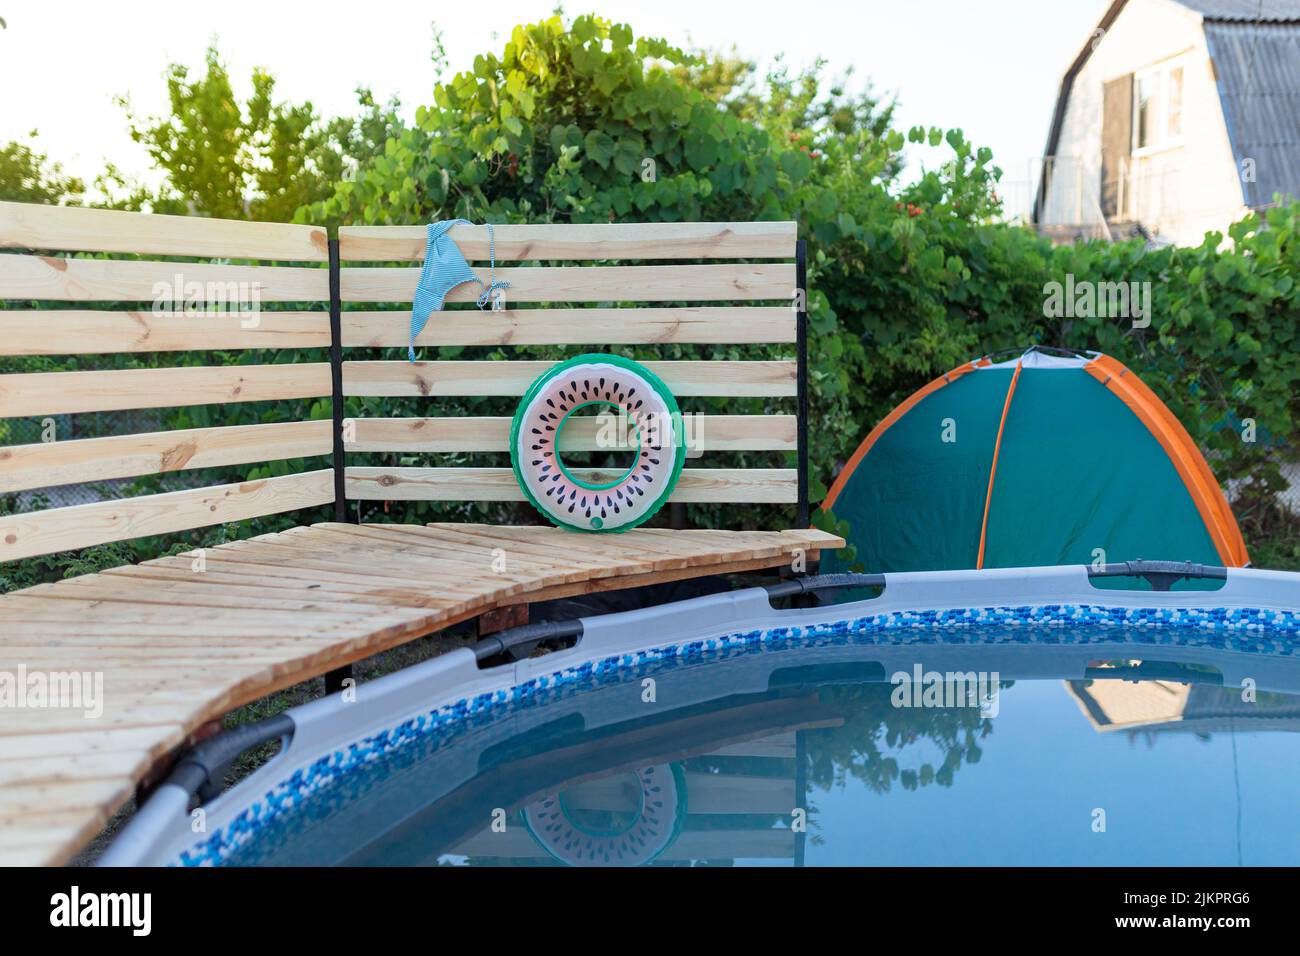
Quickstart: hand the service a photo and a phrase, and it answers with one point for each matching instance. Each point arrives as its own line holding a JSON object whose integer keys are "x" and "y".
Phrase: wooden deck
{"x": 182, "y": 640}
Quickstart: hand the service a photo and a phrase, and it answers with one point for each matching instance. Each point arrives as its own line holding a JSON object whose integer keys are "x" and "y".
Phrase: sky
{"x": 992, "y": 68}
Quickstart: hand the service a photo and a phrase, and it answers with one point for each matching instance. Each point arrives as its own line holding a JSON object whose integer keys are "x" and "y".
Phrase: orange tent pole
{"x": 1187, "y": 459}
{"x": 993, "y": 468}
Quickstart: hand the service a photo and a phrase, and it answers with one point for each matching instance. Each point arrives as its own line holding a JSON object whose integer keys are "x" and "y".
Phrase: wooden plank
{"x": 78, "y": 229}
{"x": 52, "y": 769}
{"x": 469, "y": 551}
{"x": 483, "y": 543}
{"x": 514, "y": 843}
{"x": 39, "y": 854}
{"x": 558, "y": 541}
{"x": 601, "y": 585}
{"x": 89, "y": 741}
{"x": 378, "y": 574}
{"x": 377, "y": 571}
{"x": 62, "y": 529}
{"x": 47, "y": 722}
{"x": 164, "y": 283}
{"x": 32, "y": 802}
{"x": 443, "y": 434}
{"x": 197, "y": 584}
{"x": 723, "y": 282}
{"x": 455, "y": 378}
{"x": 73, "y": 607}
{"x": 492, "y": 434}
{"x": 724, "y": 485}
{"x": 57, "y": 393}
{"x": 192, "y": 594}
{"x": 782, "y": 746}
{"x": 646, "y": 240}
{"x": 654, "y": 552}
{"x": 740, "y": 544}
{"x": 47, "y": 464}
{"x": 698, "y": 325}
{"x": 158, "y": 635}
{"x": 721, "y": 793}
{"x": 223, "y": 578}
{"x": 130, "y": 707}
{"x": 272, "y": 571}
{"x": 89, "y": 332}
{"x": 154, "y": 645}
{"x": 451, "y": 570}
{"x": 360, "y": 554}
{"x": 650, "y": 545}
{"x": 223, "y": 571}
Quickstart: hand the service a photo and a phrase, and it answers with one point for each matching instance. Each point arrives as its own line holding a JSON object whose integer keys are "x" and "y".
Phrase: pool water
{"x": 1124, "y": 749}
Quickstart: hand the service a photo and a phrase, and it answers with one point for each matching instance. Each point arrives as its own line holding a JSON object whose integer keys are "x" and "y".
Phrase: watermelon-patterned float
{"x": 583, "y": 501}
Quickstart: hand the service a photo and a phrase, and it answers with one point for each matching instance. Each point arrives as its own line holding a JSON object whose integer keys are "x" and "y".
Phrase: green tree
{"x": 871, "y": 742}
{"x": 808, "y": 103}
{"x": 27, "y": 175}
{"x": 262, "y": 159}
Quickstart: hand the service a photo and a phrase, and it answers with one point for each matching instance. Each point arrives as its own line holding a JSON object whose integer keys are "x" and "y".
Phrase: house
{"x": 1177, "y": 117}
{"x": 1170, "y": 706}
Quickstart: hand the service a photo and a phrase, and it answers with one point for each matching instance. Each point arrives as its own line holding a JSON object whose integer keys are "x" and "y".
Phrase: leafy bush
{"x": 906, "y": 281}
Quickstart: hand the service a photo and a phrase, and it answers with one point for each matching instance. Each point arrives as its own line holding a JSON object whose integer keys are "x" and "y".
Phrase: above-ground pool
{"x": 937, "y": 724}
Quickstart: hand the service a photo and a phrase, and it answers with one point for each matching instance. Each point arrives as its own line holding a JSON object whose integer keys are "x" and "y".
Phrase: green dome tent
{"x": 1039, "y": 460}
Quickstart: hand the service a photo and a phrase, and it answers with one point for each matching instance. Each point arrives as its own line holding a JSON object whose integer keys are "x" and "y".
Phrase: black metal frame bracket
{"x": 1161, "y": 575}
{"x": 519, "y": 642}
{"x": 812, "y": 583}
{"x": 202, "y": 770}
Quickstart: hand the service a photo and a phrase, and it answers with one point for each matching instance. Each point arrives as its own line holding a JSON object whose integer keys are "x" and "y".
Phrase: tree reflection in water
{"x": 873, "y": 742}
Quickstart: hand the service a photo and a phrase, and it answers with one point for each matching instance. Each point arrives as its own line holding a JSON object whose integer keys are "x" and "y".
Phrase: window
{"x": 1175, "y": 111}
{"x": 1158, "y": 107}
{"x": 1146, "y": 110}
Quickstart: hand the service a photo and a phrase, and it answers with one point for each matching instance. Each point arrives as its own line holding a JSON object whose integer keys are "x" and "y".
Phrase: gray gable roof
{"x": 1255, "y": 46}
{"x": 1257, "y": 66}
{"x": 1234, "y": 10}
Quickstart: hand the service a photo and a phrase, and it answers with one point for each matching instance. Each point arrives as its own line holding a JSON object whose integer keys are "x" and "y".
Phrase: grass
{"x": 1274, "y": 542}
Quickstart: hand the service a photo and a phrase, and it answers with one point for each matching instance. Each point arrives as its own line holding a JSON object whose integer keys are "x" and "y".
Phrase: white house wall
{"x": 1181, "y": 192}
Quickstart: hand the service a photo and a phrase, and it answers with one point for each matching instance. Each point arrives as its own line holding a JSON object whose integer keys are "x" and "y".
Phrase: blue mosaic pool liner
{"x": 1250, "y": 630}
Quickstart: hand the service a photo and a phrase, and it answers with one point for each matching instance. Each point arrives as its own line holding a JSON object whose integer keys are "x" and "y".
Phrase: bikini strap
{"x": 492, "y": 283}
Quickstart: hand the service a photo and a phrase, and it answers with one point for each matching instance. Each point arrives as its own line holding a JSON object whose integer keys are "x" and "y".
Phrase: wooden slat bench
{"x": 182, "y": 640}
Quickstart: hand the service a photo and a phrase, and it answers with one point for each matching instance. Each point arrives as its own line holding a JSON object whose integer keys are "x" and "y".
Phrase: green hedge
{"x": 906, "y": 281}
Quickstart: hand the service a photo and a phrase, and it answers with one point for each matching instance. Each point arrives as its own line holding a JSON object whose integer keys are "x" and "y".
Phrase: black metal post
{"x": 334, "y": 679}
{"x": 801, "y": 346}
{"x": 336, "y": 381}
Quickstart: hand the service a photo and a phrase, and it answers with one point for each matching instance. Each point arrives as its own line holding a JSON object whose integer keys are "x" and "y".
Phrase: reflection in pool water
{"x": 1122, "y": 751}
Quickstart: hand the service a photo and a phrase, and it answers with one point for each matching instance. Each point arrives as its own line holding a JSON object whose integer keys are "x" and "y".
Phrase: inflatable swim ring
{"x": 613, "y": 838}
{"x": 652, "y": 420}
